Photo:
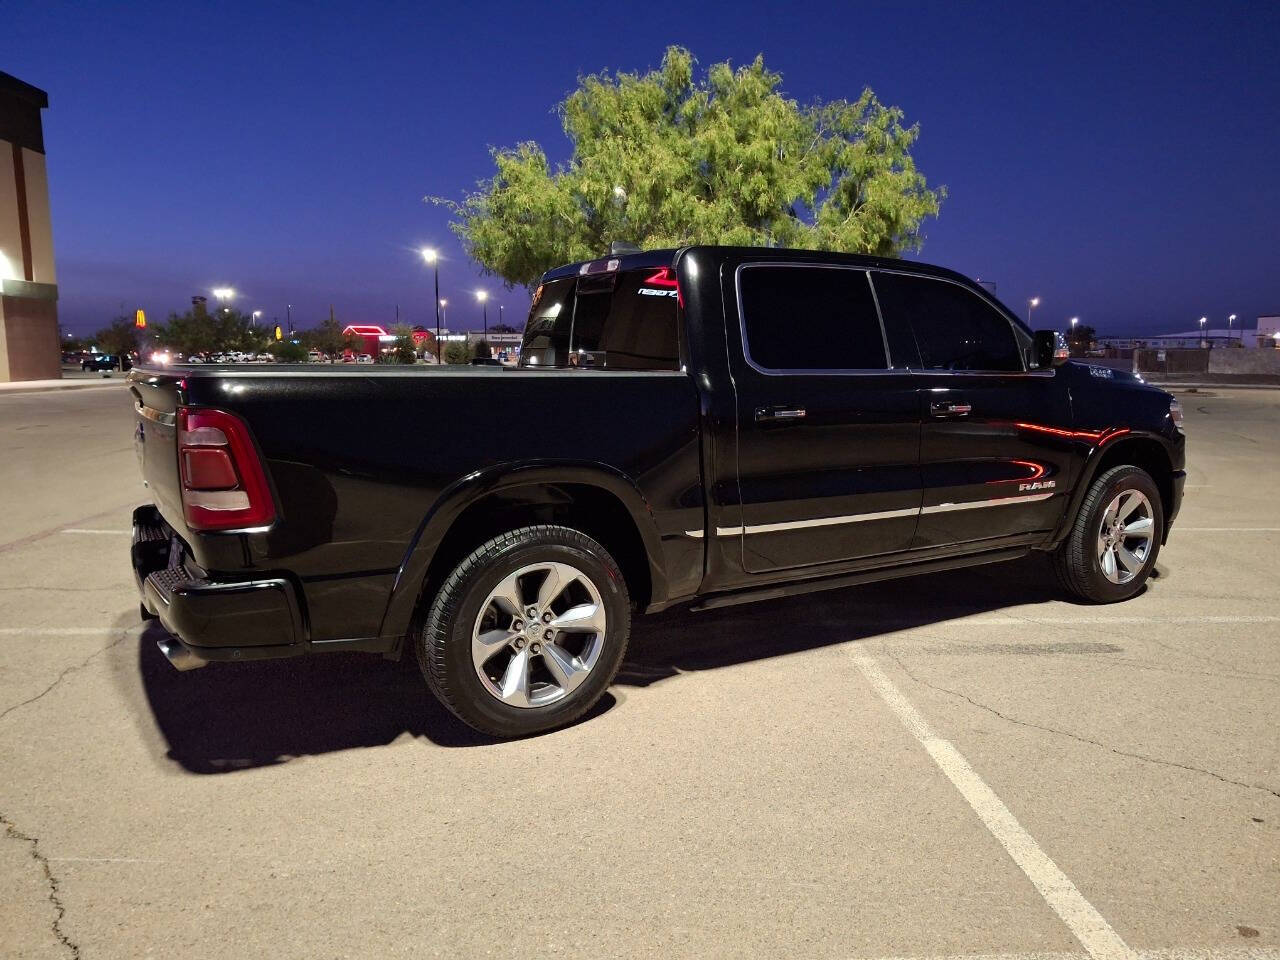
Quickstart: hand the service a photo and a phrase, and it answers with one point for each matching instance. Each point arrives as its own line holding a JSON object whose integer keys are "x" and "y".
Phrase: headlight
{"x": 1175, "y": 413}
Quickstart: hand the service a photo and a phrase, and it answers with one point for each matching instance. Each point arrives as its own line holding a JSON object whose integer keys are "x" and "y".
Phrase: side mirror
{"x": 1051, "y": 349}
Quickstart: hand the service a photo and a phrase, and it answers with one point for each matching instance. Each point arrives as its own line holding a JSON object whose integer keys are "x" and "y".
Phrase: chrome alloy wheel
{"x": 1125, "y": 536}
{"x": 538, "y": 635}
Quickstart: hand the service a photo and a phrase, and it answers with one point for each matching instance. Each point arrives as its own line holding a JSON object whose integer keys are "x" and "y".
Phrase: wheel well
{"x": 592, "y": 510}
{"x": 1147, "y": 454}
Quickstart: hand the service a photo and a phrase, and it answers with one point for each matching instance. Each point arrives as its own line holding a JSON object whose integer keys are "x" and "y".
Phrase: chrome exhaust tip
{"x": 179, "y": 655}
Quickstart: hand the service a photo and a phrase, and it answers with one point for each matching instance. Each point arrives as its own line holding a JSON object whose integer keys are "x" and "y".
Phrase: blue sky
{"x": 1119, "y": 161}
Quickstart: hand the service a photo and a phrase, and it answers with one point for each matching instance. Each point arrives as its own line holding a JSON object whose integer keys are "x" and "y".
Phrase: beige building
{"x": 29, "y": 348}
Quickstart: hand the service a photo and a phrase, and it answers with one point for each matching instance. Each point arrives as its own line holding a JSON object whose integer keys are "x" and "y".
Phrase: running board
{"x": 778, "y": 590}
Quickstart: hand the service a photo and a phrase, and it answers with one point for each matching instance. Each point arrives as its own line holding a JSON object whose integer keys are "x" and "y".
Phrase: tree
{"x": 286, "y": 351}
{"x": 1080, "y": 339}
{"x": 402, "y": 349}
{"x": 482, "y": 348}
{"x": 455, "y": 351}
{"x": 119, "y": 338}
{"x": 329, "y": 340}
{"x": 502, "y": 328}
{"x": 218, "y": 332}
{"x": 662, "y": 159}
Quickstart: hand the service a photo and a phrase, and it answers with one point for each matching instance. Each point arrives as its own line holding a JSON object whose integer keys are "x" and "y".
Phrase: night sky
{"x": 1121, "y": 161}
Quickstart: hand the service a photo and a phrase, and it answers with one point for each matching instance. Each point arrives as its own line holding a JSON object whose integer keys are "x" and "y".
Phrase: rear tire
{"x": 527, "y": 632}
{"x": 1113, "y": 544}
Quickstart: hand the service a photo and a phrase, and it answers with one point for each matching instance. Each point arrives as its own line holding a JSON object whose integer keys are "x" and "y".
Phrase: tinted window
{"x": 546, "y": 334}
{"x": 615, "y": 321}
{"x": 810, "y": 318}
{"x": 954, "y": 329}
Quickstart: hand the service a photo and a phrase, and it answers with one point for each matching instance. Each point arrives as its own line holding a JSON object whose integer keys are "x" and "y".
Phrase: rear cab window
{"x": 621, "y": 320}
{"x": 800, "y": 317}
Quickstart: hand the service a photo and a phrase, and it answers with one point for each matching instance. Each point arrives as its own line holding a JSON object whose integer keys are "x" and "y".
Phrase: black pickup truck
{"x": 708, "y": 426}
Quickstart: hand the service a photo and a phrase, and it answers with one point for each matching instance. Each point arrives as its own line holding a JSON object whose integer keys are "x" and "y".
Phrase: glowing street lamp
{"x": 222, "y": 295}
{"x": 1074, "y": 321}
{"x": 1230, "y": 320}
{"x": 433, "y": 261}
{"x": 444, "y": 303}
{"x": 255, "y": 316}
{"x": 483, "y": 297}
{"x": 1031, "y": 305}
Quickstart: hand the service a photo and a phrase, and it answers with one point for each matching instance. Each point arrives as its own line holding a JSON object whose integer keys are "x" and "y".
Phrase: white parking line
{"x": 1082, "y": 919}
{"x": 1226, "y": 529}
{"x": 112, "y": 532}
{"x": 1225, "y": 620}
{"x": 1172, "y": 953}
{"x": 62, "y": 631}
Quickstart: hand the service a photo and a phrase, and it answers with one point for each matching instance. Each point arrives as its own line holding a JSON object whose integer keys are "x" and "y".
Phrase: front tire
{"x": 527, "y": 632}
{"x": 1113, "y": 544}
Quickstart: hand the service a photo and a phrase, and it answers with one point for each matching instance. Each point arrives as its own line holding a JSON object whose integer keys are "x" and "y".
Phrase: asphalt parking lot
{"x": 965, "y": 764}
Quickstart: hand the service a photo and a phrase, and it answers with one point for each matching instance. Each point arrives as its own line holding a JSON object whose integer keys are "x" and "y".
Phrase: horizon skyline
{"x": 1109, "y": 162}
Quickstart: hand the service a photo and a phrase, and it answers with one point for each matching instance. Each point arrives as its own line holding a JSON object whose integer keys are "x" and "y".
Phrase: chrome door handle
{"x": 769, "y": 414}
{"x": 950, "y": 408}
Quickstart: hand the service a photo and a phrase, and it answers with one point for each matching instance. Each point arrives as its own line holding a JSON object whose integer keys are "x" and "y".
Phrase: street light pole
{"x": 288, "y": 312}
{"x": 430, "y": 256}
{"x": 1230, "y": 320}
{"x": 1031, "y": 305}
{"x": 483, "y": 297}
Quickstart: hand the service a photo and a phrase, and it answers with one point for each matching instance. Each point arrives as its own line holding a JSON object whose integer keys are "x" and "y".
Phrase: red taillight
{"x": 223, "y": 484}
{"x": 663, "y": 277}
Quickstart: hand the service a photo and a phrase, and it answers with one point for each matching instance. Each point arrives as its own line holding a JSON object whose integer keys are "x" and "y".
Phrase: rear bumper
{"x": 210, "y": 619}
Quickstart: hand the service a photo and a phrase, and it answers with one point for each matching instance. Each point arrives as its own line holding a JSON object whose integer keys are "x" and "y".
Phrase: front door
{"x": 995, "y": 453}
{"x": 828, "y": 433}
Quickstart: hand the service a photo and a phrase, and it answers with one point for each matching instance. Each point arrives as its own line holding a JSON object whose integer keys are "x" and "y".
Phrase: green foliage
{"x": 402, "y": 350}
{"x": 456, "y": 351}
{"x": 663, "y": 159}
{"x": 118, "y": 338}
{"x": 328, "y": 338}
{"x": 286, "y": 351}
{"x": 482, "y": 349}
{"x": 217, "y": 332}
{"x": 1080, "y": 339}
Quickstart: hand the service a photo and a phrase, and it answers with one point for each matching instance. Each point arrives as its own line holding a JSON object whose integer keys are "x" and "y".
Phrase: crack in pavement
{"x": 124, "y": 632}
{"x": 1066, "y": 733}
{"x": 55, "y": 897}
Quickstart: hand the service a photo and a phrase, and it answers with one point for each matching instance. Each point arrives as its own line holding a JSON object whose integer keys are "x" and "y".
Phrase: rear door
{"x": 828, "y": 432}
{"x": 995, "y": 450}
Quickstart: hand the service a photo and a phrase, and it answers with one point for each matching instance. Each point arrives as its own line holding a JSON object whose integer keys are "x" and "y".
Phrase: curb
{"x": 1175, "y": 385}
{"x": 7, "y": 390}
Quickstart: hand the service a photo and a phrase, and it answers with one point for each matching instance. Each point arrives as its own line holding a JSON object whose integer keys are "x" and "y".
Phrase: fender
{"x": 1089, "y": 470}
{"x": 501, "y": 477}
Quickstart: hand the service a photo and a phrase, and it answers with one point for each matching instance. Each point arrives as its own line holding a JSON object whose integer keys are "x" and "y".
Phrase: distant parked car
{"x": 485, "y": 362}
{"x": 364, "y": 358}
{"x": 106, "y": 361}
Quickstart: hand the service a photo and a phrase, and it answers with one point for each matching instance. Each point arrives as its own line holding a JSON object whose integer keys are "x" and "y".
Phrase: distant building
{"x": 29, "y": 348}
{"x": 1269, "y": 331}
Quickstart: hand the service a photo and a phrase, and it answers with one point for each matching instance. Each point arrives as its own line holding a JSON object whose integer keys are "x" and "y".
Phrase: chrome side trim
{"x": 976, "y": 504}
{"x": 862, "y": 517}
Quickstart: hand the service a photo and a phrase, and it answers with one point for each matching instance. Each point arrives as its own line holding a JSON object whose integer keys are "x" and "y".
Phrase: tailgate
{"x": 155, "y": 402}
